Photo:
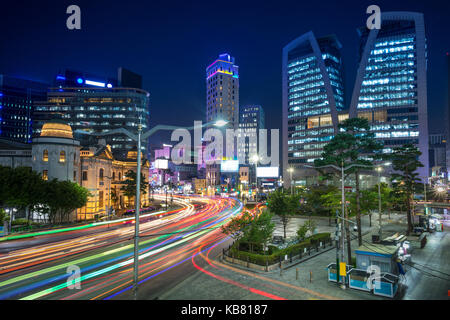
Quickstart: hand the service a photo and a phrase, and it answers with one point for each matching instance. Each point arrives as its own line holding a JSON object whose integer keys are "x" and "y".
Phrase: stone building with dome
{"x": 55, "y": 154}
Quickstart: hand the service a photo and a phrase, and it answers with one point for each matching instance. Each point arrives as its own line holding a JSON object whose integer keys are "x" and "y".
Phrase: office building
{"x": 92, "y": 104}
{"x": 251, "y": 119}
{"x": 313, "y": 96}
{"x": 222, "y": 103}
{"x": 391, "y": 83}
{"x": 17, "y": 100}
{"x": 222, "y": 91}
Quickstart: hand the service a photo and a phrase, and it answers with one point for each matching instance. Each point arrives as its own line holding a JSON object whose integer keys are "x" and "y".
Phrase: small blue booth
{"x": 357, "y": 279}
{"x": 386, "y": 285}
{"x": 374, "y": 254}
{"x": 332, "y": 273}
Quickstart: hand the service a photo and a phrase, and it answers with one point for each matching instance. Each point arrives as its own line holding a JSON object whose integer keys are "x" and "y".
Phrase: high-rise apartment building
{"x": 17, "y": 100}
{"x": 96, "y": 105}
{"x": 391, "y": 83}
{"x": 313, "y": 96}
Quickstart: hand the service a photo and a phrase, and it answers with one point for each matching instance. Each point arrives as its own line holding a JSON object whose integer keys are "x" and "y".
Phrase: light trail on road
{"x": 105, "y": 257}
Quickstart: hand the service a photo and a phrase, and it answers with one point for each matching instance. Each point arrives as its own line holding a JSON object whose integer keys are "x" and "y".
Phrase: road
{"x": 43, "y": 267}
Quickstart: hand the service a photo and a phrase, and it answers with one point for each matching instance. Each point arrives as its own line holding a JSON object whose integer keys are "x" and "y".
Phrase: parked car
{"x": 277, "y": 240}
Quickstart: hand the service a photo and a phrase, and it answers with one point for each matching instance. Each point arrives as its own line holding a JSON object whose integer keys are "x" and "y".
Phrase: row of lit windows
{"x": 392, "y": 95}
{"x": 394, "y": 42}
{"x": 62, "y": 156}
{"x": 399, "y": 56}
{"x": 301, "y": 61}
{"x": 306, "y": 86}
{"x": 306, "y": 93}
{"x": 304, "y": 74}
{"x": 308, "y": 79}
{"x": 398, "y": 87}
{"x": 386, "y": 104}
{"x": 311, "y": 112}
{"x": 396, "y": 134}
{"x": 392, "y": 50}
{"x": 308, "y": 99}
{"x": 307, "y": 154}
{"x": 391, "y": 65}
{"x": 311, "y": 139}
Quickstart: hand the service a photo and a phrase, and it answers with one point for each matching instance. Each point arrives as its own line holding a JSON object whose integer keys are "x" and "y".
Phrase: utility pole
{"x": 379, "y": 202}
{"x": 337, "y": 247}
{"x": 136, "y": 235}
{"x": 342, "y": 208}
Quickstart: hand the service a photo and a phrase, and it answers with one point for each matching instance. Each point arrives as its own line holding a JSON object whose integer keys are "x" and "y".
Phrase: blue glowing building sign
{"x": 94, "y": 83}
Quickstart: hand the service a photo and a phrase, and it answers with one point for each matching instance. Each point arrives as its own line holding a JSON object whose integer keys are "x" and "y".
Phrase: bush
{"x": 19, "y": 222}
{"x": 273, "y": 255}
{"x": 320, "y": 237}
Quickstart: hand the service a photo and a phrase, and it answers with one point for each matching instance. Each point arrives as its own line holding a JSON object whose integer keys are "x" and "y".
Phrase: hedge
{"x": 295, "y": 249}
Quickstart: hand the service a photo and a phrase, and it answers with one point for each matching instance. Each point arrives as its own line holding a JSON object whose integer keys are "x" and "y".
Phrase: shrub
{"x": 320, "y": 237}
{"x": 19, "y": 222}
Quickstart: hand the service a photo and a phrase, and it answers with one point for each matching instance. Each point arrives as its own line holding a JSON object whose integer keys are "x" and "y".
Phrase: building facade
{"x": 313, "y": 95}
{"x": 17, "y": 102}
{"x": 93, "y": 105}
{"x": 222, "y": 103}
{"x": 251, "y": 119}
{"x": 55, "y": 154}
{"x": 391, "y": 83}
{"x": 222, "y": 91}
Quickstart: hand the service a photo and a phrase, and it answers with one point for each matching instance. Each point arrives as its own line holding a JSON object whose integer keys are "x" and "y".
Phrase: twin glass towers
{"x": 389, "y": 90}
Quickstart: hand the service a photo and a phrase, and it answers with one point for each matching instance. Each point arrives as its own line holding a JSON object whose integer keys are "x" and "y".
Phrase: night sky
{"x": 170, "y": 43}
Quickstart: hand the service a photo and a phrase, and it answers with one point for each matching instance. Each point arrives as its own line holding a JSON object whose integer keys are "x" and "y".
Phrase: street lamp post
{"x": 138, "y": 138}
{"x": 379, "y": 202}
{"x": 255, "y": 160}
{"x": 136, "y": 235}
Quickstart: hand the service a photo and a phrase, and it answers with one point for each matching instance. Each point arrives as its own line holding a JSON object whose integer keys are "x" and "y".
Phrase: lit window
{"x": 45, "y": 175}
{"x": 62, "y": 156}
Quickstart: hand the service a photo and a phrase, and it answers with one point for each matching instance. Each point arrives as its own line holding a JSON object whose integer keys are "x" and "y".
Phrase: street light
{"x": 255, "y": 159}
{"x": 143, "y": 136}
{"x": 291, "y": 170}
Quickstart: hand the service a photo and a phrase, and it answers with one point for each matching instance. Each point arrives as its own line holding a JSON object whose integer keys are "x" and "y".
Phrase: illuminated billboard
{"x": 229, "y": 166}
{"x": 267, "y": 172}
{"x": 162, "y": 164}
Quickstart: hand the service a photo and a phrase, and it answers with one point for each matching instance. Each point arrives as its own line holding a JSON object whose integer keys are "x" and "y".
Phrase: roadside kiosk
{"x": 374, "y": 254}
{"x": 332, "y": 273}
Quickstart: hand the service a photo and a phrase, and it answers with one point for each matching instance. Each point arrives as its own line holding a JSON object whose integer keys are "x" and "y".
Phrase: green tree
{"x": 353, "y": 145}
{"x": 236, "y": 228}
{"x": 284, "y": 206}
{"x": 61, "y": 198}
{"x": 129, "y": 187}
{"x": 20, "y": 188}
{"x": 405, "y": 180}
{"x": 260, "y": 230}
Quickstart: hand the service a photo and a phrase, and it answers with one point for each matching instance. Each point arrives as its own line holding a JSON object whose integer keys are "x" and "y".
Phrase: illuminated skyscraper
{"x": 17, "y": 100}
{"x": 222, "y": 91}
{"x": 94, "y": 104}
{"x": 313, "y": 95}
{"x": 222, "y": 102}
{"x": 391, "y": 83}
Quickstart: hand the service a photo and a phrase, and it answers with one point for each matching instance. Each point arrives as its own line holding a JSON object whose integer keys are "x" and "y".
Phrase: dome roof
{"x": 57, "y": 129}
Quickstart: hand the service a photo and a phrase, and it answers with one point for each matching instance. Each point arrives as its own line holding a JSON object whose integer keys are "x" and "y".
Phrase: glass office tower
{"x": 313, "y": 95}
{"x": 17, "y": 101}
{"x": 95, "y": 105}
{"x": 391, "y": 85}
